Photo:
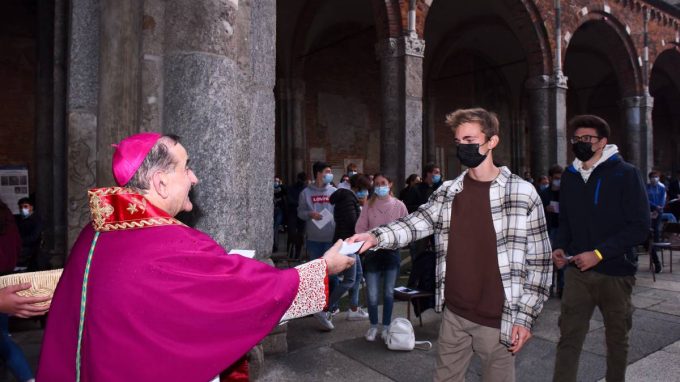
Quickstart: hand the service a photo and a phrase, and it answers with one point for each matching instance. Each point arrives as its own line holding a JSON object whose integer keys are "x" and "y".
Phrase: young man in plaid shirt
{"x": 493, "y": 254}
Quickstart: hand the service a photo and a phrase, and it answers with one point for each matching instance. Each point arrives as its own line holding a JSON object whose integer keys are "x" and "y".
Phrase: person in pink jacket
{"x": 381, "y": 208}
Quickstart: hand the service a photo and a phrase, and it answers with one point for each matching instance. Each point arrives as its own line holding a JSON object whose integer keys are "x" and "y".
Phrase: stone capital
{"x": 537, "y": 82}
{"x": 647, "y": 101}
{"x": 409, "y": 45}
{"x": 387, "y": 48}
{"x": 558, "y": 80}
{"x": 631, "y": 102}
{"x": 413, "y": 46}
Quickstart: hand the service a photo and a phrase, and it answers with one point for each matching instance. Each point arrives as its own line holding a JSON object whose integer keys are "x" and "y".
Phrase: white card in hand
{"x": 350, "y": 249}
{"x": 249, "y": 253}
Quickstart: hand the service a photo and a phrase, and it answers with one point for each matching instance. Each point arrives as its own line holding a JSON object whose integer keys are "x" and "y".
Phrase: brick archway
{"x": 622, "y": 53}
{"x": 664, "y": 85}
{"x": 386, "y": 14}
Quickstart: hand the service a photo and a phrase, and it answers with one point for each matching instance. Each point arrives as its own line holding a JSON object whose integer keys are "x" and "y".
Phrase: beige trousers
{"x": 459, "y": 339}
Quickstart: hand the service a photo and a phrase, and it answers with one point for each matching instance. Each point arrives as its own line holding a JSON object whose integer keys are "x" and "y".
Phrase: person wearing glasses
{"x": 604, "y": 215}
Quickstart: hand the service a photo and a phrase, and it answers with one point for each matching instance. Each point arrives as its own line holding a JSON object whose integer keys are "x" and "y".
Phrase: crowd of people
{"x": 494, "y": 239}
{"x": 497, "y": 239}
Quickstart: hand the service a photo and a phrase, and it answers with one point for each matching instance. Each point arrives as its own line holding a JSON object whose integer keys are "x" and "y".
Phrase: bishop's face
{"x": 180, "y": 181}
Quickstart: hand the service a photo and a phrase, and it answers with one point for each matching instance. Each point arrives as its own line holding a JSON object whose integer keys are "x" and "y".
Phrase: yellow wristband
{"x": 598, "y": 254}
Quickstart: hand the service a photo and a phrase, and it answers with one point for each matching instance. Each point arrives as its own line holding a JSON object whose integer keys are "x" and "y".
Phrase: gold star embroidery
{"x": 132, "y": 208}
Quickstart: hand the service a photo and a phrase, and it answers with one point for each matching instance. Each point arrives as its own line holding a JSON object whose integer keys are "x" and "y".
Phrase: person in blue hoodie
{"x": 604, "y": 215}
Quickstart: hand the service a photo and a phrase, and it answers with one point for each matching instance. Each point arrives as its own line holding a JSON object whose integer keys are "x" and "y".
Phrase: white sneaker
{"x": 324, "y": 319}
{"x": 335, "y": 311}
{"x": 371, "y": 333}
{"x": 383, "y": 334}
{"x": 357, "y": 315}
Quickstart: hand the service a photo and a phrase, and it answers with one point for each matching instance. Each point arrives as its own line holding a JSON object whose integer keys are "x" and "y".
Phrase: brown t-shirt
{"x": 473, "y": 287}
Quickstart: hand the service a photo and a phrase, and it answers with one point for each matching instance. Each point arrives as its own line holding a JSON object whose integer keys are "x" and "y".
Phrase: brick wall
{"x": 342, "y": 100}
{"x": 17, "y": 79}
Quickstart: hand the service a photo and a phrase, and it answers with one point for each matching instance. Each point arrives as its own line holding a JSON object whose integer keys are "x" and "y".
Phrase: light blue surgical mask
{"x": 351, "y": 173}
{"x": 327, "y": 178}
{"x": 436, "y": 178}
{"x": 362, "y": 194}
{"x": 382, "y": 191}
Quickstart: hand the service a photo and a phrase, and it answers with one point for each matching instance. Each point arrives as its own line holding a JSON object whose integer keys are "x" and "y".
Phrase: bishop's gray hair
{"x": 158, "y": 159}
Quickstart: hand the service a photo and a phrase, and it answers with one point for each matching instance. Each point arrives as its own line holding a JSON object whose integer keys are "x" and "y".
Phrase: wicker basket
{"x": 43, "y": 283}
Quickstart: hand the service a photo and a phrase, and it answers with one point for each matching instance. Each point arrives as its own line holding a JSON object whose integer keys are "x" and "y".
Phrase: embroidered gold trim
{"x": 139, "y": 224}
{"x": 102, "y": 210}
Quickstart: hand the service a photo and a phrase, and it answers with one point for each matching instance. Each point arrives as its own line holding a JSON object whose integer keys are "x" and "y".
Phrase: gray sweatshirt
{"x": 314, "y": 198}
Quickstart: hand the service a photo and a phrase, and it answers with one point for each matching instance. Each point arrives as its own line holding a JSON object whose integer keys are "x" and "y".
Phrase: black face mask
{"x": 583, "y": 150}
{"x": 469, "y": 155}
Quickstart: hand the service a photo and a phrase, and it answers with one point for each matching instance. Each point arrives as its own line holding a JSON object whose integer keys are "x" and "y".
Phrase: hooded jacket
{"x": 605, "y": 209}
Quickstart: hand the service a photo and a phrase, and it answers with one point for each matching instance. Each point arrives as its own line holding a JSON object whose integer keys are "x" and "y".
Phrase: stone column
{"x": 151, "y": 108}
{"x": 120, "y": 79}
{"x": 401, "y": 61}
{"x": 539, "y": 122}
{"x": 647, "y": 134}
{"x": 298, "y": 133}
{"x": 218, "y": 80}
{"x": 81, "y": 107}
{"x": 632, "y": 150}
{"x": 59, "y": 163}
{"x": 44, "y": 96}
{"x": 558, "y": 118}
{"x": 429, "y": 126}
{"x": 547, "y": 118}
{"x": 50, "y": 126}
{"x": 291, "y": 119}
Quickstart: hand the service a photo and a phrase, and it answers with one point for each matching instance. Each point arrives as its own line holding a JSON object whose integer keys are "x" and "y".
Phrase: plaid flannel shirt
{"x": 522, "y": 244}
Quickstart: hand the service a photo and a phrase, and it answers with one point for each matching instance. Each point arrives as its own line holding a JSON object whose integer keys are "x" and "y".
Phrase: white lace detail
{"x": 311, "y": 295}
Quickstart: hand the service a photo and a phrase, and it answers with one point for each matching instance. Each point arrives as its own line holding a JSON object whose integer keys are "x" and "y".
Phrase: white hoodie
{"x": 608, "y": 152}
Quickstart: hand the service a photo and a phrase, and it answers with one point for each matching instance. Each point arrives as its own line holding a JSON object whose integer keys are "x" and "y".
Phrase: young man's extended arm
{"x": 537, "y": 264}
{"x": 417, "y": 225}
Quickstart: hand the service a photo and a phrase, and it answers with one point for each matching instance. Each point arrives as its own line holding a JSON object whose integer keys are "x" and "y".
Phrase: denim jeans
{"x": 354, "y": 291}
{"x": 384, "y": 264}
{"x": 278, "y": 220}
{"x": 12, "y": 354}
{"x": 349, "y": 277}
{"x": 316, "y": 249}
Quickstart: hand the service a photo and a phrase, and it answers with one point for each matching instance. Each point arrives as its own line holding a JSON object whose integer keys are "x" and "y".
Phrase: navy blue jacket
{"x": 609, "y": 213}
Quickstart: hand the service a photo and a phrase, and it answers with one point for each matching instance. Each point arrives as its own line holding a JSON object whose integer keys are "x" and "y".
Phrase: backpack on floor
{"x": 400, "y": 336}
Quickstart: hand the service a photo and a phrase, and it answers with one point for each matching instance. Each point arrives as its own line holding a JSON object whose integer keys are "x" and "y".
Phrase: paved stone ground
{"x": 344, "y": 355}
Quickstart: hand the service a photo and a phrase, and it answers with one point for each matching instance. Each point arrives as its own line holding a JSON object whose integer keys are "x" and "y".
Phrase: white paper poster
{"x": 13, "y": 186}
